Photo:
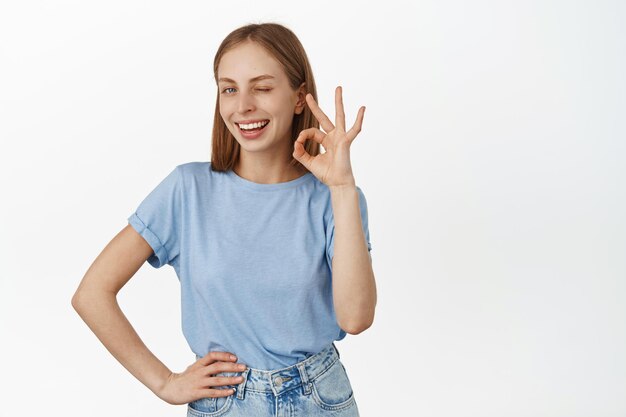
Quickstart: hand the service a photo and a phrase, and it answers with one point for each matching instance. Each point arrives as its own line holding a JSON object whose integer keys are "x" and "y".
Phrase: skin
{"x": 95, "y": 301}
{"x": 354, "y": 284}
{"x": 264, "y": 160}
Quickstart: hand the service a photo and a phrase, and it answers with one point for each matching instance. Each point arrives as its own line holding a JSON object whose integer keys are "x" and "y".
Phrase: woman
{"x": 252, "y": 236}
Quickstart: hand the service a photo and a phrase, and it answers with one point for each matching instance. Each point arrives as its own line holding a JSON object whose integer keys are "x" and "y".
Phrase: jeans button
{"x": 278, "y": 381}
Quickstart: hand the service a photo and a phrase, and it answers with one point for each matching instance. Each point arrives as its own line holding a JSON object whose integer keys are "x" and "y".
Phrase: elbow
{"x": 87, "y": 297}
{"x": 76, "y": 302}
{"x": 358, "y": 323}
{"x": 81, "y": 300}
{"x": 357, "y": 327}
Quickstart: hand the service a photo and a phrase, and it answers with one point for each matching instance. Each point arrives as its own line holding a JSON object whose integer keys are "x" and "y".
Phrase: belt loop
{"x": 336, "y": 350}
{"x": 242, "y": 385}
{"x": 306, "y": 385}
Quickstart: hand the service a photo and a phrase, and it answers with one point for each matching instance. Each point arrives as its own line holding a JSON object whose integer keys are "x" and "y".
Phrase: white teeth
{"x": 254, "y": 125}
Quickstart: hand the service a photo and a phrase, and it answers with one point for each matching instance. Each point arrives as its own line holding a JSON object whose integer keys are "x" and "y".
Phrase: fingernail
{"x": 233, "y": 357}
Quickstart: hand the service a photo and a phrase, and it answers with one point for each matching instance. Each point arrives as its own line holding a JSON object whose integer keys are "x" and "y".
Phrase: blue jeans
{"x": 316, "y": 386}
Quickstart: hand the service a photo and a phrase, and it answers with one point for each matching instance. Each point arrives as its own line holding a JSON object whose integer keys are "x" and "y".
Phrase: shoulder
{"x": 192, "y": 172}
{"x": 319, "y": 191}
{"x": 193, "y": 168}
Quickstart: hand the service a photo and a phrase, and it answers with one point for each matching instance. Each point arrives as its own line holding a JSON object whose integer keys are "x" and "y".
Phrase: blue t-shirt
{"x": 253, "y": 261}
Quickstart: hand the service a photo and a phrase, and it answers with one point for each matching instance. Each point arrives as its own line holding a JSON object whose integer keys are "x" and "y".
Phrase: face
{"x": 253, "y": 88}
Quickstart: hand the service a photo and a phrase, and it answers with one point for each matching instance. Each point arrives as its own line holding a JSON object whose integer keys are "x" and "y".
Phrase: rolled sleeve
{"x": 157, "y": 220}
{"x": 160, "y": 256}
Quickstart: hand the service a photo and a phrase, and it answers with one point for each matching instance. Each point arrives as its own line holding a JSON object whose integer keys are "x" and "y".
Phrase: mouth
{"x": 252, "y": 130}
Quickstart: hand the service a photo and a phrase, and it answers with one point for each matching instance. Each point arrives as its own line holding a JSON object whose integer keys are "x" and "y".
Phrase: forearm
{"x": 354, "y": 286}
{"x": 103, "y": 315}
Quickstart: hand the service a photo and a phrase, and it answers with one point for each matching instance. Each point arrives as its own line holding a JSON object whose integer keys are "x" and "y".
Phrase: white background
{"x": 492, "y": 157}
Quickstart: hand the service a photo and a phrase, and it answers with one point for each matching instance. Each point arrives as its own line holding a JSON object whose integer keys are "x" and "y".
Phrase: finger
{"x": 217, "y": 356}
{"x": 299, "y": 151}
{"x": 218, "y": 367}
{"x": 216, "y": 393}
{"x": 218, "y": 381}
{"x": 319, "y": 114}
{"x": 311, "y": 133}
{"x": 351, "y": 134}
{"x": 340, "y": 116}
{"x": 300, "y": 154}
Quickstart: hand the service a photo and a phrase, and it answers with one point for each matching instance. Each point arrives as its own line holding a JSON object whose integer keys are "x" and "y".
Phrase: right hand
{"x": 197, "y": 381}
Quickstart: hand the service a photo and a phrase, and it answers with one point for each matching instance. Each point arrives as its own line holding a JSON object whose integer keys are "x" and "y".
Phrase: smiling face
{"x": 253, "y": 87}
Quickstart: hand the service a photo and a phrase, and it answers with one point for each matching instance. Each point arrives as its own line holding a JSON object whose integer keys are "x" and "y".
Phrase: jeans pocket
{"x": 332, "y": 390}
{"x": 209, "y": 407}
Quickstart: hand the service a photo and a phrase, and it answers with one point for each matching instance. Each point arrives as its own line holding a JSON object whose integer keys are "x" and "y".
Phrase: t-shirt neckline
{"x": 269, "y": 187}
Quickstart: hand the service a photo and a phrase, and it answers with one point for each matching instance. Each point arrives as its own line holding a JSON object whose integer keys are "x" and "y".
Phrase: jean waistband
{"x": 278, "y": 381}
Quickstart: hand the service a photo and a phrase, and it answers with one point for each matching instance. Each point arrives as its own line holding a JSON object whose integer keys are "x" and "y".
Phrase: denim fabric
{"x": 316, "y": 386}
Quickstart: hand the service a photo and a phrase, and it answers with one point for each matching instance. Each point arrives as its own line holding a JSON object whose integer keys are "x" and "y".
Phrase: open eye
{"x": 228, "y": 88}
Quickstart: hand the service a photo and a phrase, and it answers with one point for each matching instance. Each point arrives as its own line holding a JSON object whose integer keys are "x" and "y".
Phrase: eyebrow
{"x": 260, "y": 77}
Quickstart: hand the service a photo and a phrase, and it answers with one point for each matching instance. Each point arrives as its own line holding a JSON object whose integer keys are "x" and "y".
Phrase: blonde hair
{"x": 285, "y": 47}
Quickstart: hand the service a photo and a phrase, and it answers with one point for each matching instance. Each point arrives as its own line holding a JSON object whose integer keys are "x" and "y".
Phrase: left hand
{"x": 332, "y": 167}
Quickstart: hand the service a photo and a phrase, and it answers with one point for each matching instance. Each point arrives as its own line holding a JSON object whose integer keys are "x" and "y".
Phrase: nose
{"x": 245, "y": 103}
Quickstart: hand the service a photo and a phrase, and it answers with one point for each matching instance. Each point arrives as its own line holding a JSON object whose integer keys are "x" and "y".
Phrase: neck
{"x": 267, "y": 170}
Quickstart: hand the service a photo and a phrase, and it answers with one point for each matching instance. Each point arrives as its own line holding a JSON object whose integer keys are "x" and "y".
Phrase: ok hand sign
{"x": 333, "y": 168}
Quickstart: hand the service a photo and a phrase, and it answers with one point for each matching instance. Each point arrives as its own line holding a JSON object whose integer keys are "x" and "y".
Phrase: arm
{"x": 96, "y": 303}
{"x": 354, "y": 286}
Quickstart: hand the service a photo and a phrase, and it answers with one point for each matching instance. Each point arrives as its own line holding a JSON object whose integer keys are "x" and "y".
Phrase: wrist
{"x": 342, "y": 187}
{"x": 160, "y": 389}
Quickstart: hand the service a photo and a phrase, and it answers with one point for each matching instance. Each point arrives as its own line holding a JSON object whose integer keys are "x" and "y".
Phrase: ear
{"x": 301, "y": 102}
